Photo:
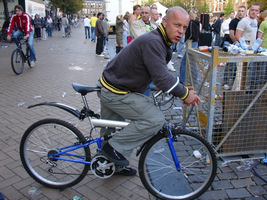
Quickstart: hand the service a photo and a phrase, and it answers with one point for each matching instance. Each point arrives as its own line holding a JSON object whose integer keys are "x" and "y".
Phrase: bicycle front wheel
{"x": 197, "y": 160}
{"x": 46, "y": 138}
{"x": 17, "y": 62}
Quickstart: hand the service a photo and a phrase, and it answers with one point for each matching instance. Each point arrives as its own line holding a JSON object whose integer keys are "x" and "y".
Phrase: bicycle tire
{"x": 17, "y": 61}
{"x": 46, "y": 137}
{"x": 158, "y": 172}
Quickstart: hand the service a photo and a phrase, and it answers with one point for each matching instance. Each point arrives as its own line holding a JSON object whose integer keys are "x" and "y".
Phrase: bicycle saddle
{"x": 83, "y": 89}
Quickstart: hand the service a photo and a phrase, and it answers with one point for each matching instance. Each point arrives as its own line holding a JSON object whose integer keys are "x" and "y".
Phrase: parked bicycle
{"x": 18, "y": 57}
{"x": 174, "y": 164}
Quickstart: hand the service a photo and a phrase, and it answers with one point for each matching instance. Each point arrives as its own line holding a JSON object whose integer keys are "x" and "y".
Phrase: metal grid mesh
{"x": 233, "y": 111}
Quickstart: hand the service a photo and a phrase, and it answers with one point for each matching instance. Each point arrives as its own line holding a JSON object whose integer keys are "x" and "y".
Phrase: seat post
{"x": 85, "y": 102}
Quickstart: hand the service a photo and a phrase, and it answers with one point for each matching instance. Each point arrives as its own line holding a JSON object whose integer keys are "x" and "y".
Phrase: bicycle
{"x": 18, "y": 57}
{"x": 174, "y": 164}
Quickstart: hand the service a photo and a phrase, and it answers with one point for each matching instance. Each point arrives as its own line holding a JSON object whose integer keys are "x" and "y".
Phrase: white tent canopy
{"x": 161, "y": 9}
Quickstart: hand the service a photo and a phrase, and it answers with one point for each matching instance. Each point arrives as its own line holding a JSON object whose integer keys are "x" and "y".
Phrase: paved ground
{"x": 62, "y": 61}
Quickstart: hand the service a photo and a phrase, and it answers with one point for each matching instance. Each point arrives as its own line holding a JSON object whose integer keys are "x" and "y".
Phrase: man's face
{"x": 18, "y": 12}
{"x": 176, "y": 25}
{"x": 254, "y": 11}
{"x": 154, "y": 15}
{"x": 145, "y": 13}
{"x": 241, "y": 13}
{"x": 232, "y": 15}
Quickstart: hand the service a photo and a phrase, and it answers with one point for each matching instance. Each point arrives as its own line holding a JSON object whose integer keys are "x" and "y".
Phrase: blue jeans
{"x": 193, "y": 67}
{"x": 87, "y": 31}
{"x": 19, "y": 33}
{"x": 49, "y": 30}
{"x": 180, "y": 46}
{"x": 256, "y": 75}
{"x": 93, "y": 33}
{"x": 229, "y": 74}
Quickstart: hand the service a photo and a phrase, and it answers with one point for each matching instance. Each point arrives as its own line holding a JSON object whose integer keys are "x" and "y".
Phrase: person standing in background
{"x": 49, "y": 24}
{"x": 217, "y": 29}
{"x": 225, "y": 28}
{"x": 64, "y": 23}
{"x": 99, "y": 32}
{"x": 134, "y": 17}
{"x": 119, "y": 33}
{"x": 87, "y": 26}
{"x": 37, "y": 26}
{"x": 248, "y": 28}
{"x": 93, "y": 24}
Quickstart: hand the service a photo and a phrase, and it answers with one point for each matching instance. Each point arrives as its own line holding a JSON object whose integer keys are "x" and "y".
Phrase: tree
{"x": 228, "y": 8}
{"x": 261, "y": 2}
{"x": 68, "y": 6}
{"x": 147, "y": 2}
{"x": 205, "y": 8}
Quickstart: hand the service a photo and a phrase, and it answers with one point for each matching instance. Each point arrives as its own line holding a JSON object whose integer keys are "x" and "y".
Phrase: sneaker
{"x": 179, "y": 56}
{"x": 100, "y": 54}
{"x": 170, "y": 67}
{"x": 110, "y": 153}
{"x": 125, "y": 171}
{"x": 32, "y": 64}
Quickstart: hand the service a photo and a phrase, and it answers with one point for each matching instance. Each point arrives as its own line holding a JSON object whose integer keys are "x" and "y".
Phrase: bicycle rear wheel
{"x": 17, "y": 62}
{"x": 158, "y": 172}
{"x": 51, "y": 136}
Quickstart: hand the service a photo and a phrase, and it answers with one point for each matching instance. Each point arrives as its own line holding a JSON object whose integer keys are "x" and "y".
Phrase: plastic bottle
{"x": 77, "y": 198}
{"x": 243, "y": 44}
{"x": 257, "y": 44}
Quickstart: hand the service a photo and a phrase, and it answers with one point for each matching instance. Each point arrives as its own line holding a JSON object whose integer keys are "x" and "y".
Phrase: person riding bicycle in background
{"x": 24, "y": 25}
{"x": 127, "y": 76}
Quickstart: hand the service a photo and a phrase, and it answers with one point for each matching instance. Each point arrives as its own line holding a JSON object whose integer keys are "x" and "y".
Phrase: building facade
{"x": 91, "y": 7}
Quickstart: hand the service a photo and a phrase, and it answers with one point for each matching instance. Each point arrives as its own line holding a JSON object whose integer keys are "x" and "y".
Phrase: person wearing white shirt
{"x": 225, "y": 28}
{"x": 87, "y": 26}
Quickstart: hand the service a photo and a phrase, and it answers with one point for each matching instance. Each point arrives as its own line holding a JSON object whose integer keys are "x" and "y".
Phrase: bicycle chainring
{"x": 102, "y": 167}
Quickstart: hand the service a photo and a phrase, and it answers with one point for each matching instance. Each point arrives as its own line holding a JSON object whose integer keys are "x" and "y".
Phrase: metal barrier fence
{"x": 233, "y": 113}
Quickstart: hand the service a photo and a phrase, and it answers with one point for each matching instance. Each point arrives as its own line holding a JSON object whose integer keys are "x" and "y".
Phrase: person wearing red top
{"x": 23, "y": 22}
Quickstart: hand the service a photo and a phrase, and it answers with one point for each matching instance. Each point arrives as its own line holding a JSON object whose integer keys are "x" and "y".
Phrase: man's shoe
{"x": 179, "y": 56}
{"x": 125, "y": 171}
{"x": 32, "y": 63}
{"x": 100, "y": 54}
{"x": 114, "y": 156}
{"x": 170, "y": 67}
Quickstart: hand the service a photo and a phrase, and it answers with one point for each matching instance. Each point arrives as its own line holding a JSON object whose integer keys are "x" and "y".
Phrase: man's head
{"x": 137, "y": 9}
{"x": 175, "y": 23}
{"x": 18, "y": 10}
{"x": 145, "y": 13}
{"x": 222, "y": 15}
{"x": 241, "y": 12}
{"x": 232, "y": 15}
{"x": 154, "y": 15}
{"x": 254, "y": 10}
{"x": 154, "y": 6}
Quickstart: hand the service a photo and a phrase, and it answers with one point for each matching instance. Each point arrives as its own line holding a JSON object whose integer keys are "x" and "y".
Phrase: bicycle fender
{"x": 65, "y": 107}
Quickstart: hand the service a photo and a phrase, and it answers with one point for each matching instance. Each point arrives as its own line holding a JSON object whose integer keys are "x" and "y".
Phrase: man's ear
{"x": 164, "y": 22}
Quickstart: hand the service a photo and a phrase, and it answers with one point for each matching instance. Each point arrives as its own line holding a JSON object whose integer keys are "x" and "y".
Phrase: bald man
{"x": 127, "y": 76}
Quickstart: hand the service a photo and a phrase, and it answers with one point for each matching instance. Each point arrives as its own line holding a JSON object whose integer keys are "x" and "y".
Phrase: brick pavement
{"x": 62, "y": 61}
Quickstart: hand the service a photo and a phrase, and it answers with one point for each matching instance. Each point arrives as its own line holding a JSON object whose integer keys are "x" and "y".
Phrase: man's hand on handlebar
{"x": 192, "y": 99}
{"x": 8, "y": 37}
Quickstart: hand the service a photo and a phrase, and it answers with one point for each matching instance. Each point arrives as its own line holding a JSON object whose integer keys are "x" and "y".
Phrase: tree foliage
{"x": 205, "y": 8}
{"x": 228, "y": 8}
{"x": 68, "y": 6}
{"x": 261, "y": 2}
{"x": 147, "y": 2}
